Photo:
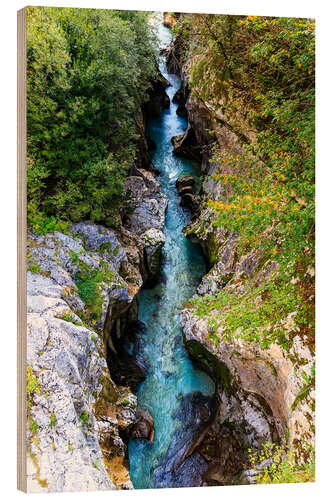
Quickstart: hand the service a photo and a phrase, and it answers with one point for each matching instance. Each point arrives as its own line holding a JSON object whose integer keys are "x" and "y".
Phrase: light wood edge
{"x": 21, "y": 249}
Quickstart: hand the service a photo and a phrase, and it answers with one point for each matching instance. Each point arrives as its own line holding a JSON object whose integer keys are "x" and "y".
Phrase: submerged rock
{"x": 181, "y": 465}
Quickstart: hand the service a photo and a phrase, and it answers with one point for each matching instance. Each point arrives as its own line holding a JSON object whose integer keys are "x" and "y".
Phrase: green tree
{"x": 88, "y": 74}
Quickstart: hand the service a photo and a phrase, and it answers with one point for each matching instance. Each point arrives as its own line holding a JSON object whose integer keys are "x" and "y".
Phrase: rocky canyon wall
{"x": 264, "y": 394}
{"x": 83, "y": 296}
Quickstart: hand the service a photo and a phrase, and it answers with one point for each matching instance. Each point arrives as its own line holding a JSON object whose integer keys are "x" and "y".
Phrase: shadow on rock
{"x": 182, "y": 466}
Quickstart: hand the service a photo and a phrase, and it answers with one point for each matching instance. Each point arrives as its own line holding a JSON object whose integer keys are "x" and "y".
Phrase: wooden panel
{"x": 21, "y": 250}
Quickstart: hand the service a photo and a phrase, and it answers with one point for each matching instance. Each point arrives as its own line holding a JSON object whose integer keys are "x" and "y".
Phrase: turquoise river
{"x": 172, "y": 384}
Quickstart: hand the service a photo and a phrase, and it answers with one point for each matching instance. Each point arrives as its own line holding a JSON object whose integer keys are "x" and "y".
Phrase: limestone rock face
{"x": 263, "y": 382}
{"x": 77, "y": 415}
{"x": 67, "y": 372}
{"x": 258, "y": 389}
{"x": 63, "y": 445}
{"x": 145, "y": 217}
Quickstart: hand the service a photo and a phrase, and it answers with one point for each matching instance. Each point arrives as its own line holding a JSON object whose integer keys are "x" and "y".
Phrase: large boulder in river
{"x": 185, "y": 187}
{"x": 146, "y": 205}
{"x": 186, "y": 145}
{"x": 144, "y": 426}
{"x": 185, "y": 182}
{"x": 153, "y": 241}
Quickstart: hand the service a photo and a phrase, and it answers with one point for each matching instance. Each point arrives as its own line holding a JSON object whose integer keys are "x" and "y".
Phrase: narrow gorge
{"x": 170, "y": 335}
{"x": 178, "y": 396}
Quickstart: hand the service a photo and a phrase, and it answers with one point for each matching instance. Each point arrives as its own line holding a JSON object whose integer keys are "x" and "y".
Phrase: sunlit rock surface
{"x": 76, "y": 413}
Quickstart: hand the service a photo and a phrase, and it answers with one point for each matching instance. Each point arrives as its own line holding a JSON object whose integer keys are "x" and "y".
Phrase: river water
{"x": 174, "y": 392}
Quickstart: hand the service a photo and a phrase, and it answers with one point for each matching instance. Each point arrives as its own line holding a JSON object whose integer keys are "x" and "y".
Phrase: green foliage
{"x": 256, "y": 315}
{"x": 105, "y": 247}
{"x": 32, "y": 383}
{"x": 97, "y": 464}
{"x": 306, "y": 388}
{"x": 88, "y": 72}
{"x": 32, "y": 388}
{"x": 74, "y": 257}
{"x": 53, "y": 420}
{"x": 88, "y": 285}
{"x": 34, "y": 268}
{"x": 33, "y": 426}
{"x": 68, "y": 317}
{"x": 124, "y": 402}
{"x": 277, "y": 464}
{"x": 88, "y": 282}
{"x": 263, "y": 69}
{"x": 42, "y": 224}
{"x": 84, "y": 417}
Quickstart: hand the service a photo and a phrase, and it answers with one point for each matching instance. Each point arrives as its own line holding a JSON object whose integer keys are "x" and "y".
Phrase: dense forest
{"x": 88, "y": 74}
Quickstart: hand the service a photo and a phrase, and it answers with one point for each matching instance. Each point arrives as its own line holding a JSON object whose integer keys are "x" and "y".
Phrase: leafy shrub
{"x": 32, "y": 383}
{"x": 68, "y": 317}
{"x": 33, "y": 426}
{"x": 277, "y": 464}
{"x": 88, "y": 282}
{"x": 88, "y": 285}
{"x": 34, "y": 268}
{"x": 41, "y": 224}
{"x": 84, "y": 417}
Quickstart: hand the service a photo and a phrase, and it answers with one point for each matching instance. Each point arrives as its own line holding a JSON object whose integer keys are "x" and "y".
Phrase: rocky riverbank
{"x": 265, "y": 394}
{"x": 83, "y": 294}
